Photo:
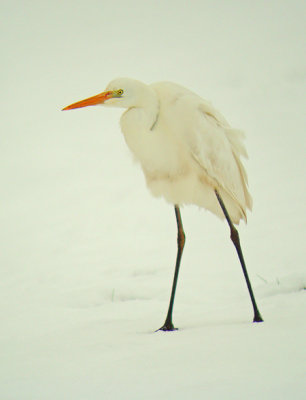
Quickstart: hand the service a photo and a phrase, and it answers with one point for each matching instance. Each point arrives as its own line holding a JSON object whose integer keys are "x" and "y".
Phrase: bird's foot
{"x": 257, "y": 317}
{"x": 167, "y": 327}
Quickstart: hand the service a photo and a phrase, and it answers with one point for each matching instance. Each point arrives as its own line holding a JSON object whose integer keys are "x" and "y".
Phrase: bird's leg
{"x": 168, "y": 325}
{"x": 235, "y": 239}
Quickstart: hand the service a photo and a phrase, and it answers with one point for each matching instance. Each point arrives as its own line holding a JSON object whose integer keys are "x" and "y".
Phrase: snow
{"x": 87, "y": 255}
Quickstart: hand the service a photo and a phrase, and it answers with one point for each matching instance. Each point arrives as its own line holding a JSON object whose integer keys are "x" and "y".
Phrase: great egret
{"x": 189, "y": 155}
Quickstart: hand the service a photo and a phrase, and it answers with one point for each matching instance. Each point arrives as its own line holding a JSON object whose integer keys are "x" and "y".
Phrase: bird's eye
{"x": 120, "y": 92}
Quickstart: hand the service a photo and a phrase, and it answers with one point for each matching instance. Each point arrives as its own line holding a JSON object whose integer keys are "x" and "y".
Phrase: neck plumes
{"x": 138, "y": 125}
{"x": 143, "y": 114}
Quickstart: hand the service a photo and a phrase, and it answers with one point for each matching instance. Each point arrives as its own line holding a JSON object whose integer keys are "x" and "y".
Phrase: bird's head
{"x": 121, "y": 92}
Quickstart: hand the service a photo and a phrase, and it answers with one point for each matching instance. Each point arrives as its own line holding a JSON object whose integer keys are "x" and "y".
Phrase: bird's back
{"x": 210, "y": 147}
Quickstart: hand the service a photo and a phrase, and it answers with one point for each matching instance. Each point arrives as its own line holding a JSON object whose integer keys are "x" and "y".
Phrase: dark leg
{"x": 168, "y": 325}
{"x": 236, "y": 241}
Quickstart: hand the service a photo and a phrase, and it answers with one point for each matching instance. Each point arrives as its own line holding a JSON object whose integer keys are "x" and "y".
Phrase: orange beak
{"x": 91, "y": 101}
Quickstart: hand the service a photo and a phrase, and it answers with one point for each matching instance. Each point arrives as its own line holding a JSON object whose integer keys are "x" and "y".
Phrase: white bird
{"x": 188, "y": 152}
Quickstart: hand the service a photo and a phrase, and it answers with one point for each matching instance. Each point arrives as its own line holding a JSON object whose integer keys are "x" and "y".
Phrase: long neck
{"x": 142, "y": 116}
{"x": 138, "y": 126}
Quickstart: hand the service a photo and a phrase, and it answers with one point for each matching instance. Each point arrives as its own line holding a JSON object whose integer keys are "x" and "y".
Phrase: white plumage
{"x": 185, "y": 146}
{"x": 188, "y": 152}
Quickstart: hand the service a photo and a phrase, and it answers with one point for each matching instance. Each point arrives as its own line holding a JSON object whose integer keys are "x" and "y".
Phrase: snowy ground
{"x": 87, "y": 256}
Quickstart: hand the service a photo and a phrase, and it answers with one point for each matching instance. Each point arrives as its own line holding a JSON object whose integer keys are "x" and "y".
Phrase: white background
{"x": 87, "y": 256}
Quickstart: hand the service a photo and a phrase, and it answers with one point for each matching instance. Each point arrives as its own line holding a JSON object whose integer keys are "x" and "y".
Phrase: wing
{"x": 211, "y": 142}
